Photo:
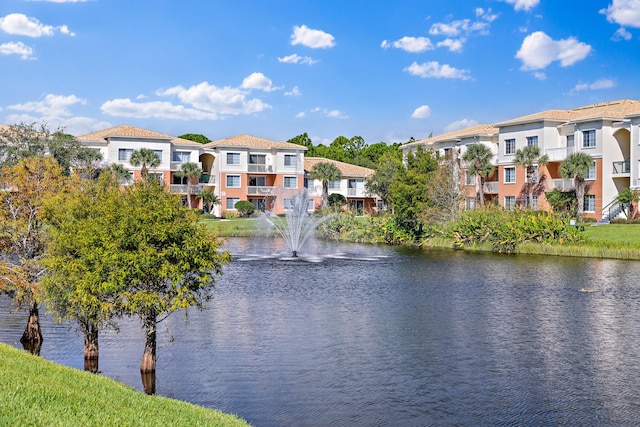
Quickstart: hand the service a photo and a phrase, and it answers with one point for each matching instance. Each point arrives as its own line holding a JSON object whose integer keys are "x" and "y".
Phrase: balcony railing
{"x": 207, "y": 179}
{"x": 260, "y": 168}
{"x": 560, "y": 184}
{"x": 176, "y": 165}
{"x": 491, "y": 187}
{"x": 182, "y": 189}
{"x": 559, "y": 154}
{"x": 260, "y": 190}
{"x": 623, "y": 167}
{"x": 356, "y": 192}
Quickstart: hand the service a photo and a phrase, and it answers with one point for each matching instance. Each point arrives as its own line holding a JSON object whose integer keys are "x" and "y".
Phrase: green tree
{"x": 27, "y": 185}
{"x": 479, "y": 157}
{"x": 337, "y": 200}
{"x": 118, "y": 173}
{"x": 83, "y": 247}
{"x": 165, "y": 259}
{"x": 195, "y": 137}
{"x": 305, "y": 141}
{"x": 371, "y": 154}
{"x": 209, "y": 199}
{"x": 244, "y": 207}
{"x": 189, "y": 171}
{"x": 443, "y": 193}
{"x": 627, "y": 198}
{"x": 325, "y": 172}
{"x": 380, "y": 183}
{"x": 576, "y": 166}
{"x": 528, "y": 157}
{"x": 146, "y": 159}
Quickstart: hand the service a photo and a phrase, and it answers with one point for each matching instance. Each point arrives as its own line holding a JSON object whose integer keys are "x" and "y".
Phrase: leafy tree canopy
{"x": 195, "y": 137}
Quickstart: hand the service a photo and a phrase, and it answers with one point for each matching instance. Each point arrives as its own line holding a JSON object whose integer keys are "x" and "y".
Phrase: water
{"x": 385, "y": 336}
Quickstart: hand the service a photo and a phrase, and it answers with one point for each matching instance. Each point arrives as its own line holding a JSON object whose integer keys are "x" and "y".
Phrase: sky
{"x": 385, "y": 70}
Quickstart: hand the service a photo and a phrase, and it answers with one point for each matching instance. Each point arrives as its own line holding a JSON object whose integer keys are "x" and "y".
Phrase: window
{"x": 157, "y": 176}
{"x": 334, "y": 185}
{"x": 470, "y": 203}
{"x": 535, "y": 203}
{"x": 509, "y": 202}
{"x": 257, "y": 181}
{"x": 510, "y": 175}
{"x": 290, "y": 160}
{"x": 231, "y": 202}
{"x": 124, "y": 154}
{"x": 233, "y": 158}
{"x": 589, "y": 203}
{"x": 290, "y": 182}
{"x": 158, "y": 153}
{"x": 257, "y": 159}
{"x": 570, "y": 141}
{"x": 532, "y": 141}
{"x": 509, "y": 146}
{"x": 233, "y": 181}
{"x": 591, "y": 174}
{"x": 588, "y": 139}
{"x": 181, "y": 156}
{"x": 288, "y": 204}
{"x": 535, "y": 174}
{"x": 469, "y": 179}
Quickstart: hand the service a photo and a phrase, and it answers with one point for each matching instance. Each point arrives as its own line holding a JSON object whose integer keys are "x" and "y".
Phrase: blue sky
{"x": 383, "y": 70}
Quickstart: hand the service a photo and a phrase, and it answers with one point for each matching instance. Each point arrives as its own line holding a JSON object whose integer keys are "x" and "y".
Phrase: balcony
{"x": 182, "y": 189}
{"x": 260, "y": 190}
{"x": 622, "y": 168}
{"x": 559, "y": 154}
{"x": 258, "y": 167}
{"x": 491, "y": 187}
{"x": 175, "y": 166}
{"x": 207, "y": 179}
{"x": 560, "y": 184}
{"x": 356, "y": 192}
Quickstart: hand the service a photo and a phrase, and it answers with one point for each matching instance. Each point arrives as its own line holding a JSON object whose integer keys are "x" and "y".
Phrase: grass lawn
{"x": 614, "y": 234}
{"x": 239, "y": 227}
{"x": 37, "y": 392}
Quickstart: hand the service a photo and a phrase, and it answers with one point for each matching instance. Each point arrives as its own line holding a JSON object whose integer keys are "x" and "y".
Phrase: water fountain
{"x": 298, "y": 224}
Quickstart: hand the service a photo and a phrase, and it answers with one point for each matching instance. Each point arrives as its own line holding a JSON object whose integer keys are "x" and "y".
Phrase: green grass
{"x": 620, "y": 235}
{"x": 36, "y": 392}
{"x": 239, "y": 227}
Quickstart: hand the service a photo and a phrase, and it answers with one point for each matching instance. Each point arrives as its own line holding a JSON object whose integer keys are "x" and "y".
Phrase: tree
{"x": 209, "y": 199}
{"x": 29, "y": 140}
{"x": 165, "y": 259}
{"x": 118, "y": 173}
{"x": 627, "y": 198}
{"x": 325, "y": 172}
{"x": 82, "y": 250}
{"x": 244, "y": 207}
{"x": 189, "y": 171}
{"x": 576, "y": 166}
{"x": 386, "y": 170}
{"x": 305, "y": 141}
{"x": 26, "y": 186}
{"x": 443, "y": 193}
{"x": 479, "y": 157}
{"x": 337, "y": 200}
{"x": 195, "y": 137}
{"x": 528, "y": 157}
{"x": 146, "y": 159}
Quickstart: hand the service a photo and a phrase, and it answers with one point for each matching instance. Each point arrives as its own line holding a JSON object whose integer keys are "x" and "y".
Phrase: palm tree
{"x": 576, "y": 166}
{"x": 209, "y": 199}
{"x": 189, "y": 171}
{"x": 118, "y": 173}
{"x": 528, "y": 157}
{"x": 479, "y": 157}
{"x": 325, "y": 172}
{"x": 147, "y": 159}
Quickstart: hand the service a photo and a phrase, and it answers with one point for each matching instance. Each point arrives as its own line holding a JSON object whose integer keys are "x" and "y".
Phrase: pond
{"x": 375, "y": 335}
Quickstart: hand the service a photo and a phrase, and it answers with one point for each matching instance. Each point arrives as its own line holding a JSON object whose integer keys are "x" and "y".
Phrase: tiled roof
{"x": 483, "y": 129}
{"x": 252, "y": 141}
{"x": 612, "y": 109}
{"x": 345, "y": 168}
{"x": 123, "y": 131}
{"x": 182, "y": 141}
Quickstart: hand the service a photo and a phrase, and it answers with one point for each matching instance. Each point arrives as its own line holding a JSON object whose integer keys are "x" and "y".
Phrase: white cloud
{"x": 293, "y": 92}
{"x": 621, "y": 34}
{"x": 460, "y": 124}
{"x": 434, "y": 70}
{"x": 316, "y": 39}
{"x": 421, "y": 112}
{"x": 410, "y": 44}
{"x": 212, "y": 99}
{"x": 451, "y": 29}
{"x": 124, "y": 107}
{"x": 597, "y": 85}
{"x": 540, "y": 75}
{"x": 16, "y": 48}
{"x": 454, "y": 45}
{"x": 22, "y": 25}
{"x": 300, "y": 115}
{"x": 525, "y": 5}
{"x": 623, "y": 12}
{"x": 335, "y": 114}
{"x": 538, "y": 50}
{"x": 486, "y": 15}
{"x": 52, "y": 105}
{"x": 260, "y": 82}
{"x": 297, "y": 59}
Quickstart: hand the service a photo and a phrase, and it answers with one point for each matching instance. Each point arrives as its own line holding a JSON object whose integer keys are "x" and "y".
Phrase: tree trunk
{"x": 480, "y": 189}
{"x": 148, "y": 363}
{"x": 579, "y": 186}
{"x": 32, "y": 336}
{"x": 148, "y": 382}
{"x": 91, "y": 349}
{"x": 189, "y": 192}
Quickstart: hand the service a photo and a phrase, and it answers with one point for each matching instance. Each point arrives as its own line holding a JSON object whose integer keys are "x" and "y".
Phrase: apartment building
{"x": 351, "y": 185}
{"x": 609, "y": 132}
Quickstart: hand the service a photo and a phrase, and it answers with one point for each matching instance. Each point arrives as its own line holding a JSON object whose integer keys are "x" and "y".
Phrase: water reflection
{"x": 393, "y": 336}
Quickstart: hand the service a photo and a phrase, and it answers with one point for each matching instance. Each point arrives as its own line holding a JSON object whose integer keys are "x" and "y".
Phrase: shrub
{"x": 244, "y": 207}
{"x": 337, "y": 200}
{"x": 230, "y": 215}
